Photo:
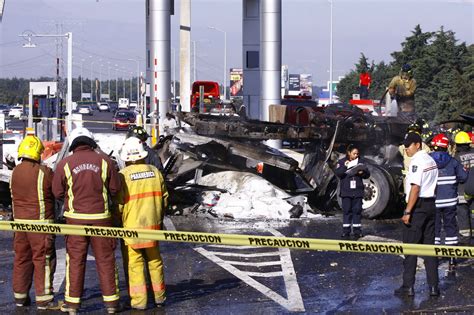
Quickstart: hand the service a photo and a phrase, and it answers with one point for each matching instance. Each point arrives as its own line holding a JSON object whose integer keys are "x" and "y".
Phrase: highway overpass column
{"x": 160, "y": 53}
{"x": 251, "y": 56}
{"x": 185, "y": 55}
{"x": 270, "y": 59}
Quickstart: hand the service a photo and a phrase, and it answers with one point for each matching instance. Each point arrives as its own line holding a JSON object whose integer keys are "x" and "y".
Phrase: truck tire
{"x": 377, "y": 193}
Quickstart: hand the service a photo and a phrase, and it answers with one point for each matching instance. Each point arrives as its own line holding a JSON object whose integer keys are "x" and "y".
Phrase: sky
{"x": 109, "y": 32}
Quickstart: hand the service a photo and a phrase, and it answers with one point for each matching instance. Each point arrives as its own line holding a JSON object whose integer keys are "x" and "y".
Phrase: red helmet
{"x": 471, "y": 135}
{"x": 440, "y": 140}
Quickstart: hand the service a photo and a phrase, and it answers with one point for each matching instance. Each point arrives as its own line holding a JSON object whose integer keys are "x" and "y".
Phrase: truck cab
{"x": 211, "y": 95}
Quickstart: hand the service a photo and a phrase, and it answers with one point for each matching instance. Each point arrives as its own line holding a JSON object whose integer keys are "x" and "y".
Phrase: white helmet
{"x": 80, "y": 132}
{"x": 132, "y": 150}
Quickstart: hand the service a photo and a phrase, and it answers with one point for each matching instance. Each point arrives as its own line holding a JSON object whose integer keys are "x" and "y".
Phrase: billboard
{"x": 236, "y": 82}
{"x": 294, "y": 84}
{"x": 306, "y": 84}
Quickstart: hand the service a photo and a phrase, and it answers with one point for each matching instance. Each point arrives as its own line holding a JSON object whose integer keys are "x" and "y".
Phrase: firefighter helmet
{"x": 132, "y": 150}
{"x": 30, "y": 148}
{"x": 138, "y": 132}
{"x": 471, "y": 135}
{"x": 440, "y": 141}
{"x": 415, "y": 128}
{"x": 462, "y": 138}
{"x": 81, "y": 135}
{"x": 406, "y": 67}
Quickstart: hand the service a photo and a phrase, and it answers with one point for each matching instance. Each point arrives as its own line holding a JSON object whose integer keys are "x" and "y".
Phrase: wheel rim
{"x": 371, "y": 194}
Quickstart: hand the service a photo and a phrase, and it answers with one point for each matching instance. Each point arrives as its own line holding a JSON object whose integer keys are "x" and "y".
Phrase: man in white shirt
{"x": 419, "y": 215}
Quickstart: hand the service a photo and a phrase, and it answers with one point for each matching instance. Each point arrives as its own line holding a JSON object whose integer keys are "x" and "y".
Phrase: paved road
{"x": 206, "y": 279}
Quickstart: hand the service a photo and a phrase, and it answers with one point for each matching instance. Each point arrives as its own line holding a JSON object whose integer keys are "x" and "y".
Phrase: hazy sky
{"x": 112, "y": 31}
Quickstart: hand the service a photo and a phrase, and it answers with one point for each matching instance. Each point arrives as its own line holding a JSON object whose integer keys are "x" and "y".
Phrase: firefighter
{"x": 418, "y": 129}
{"x": 419, "y": 215}
{"x": 450, "y": 174}
{"x": 465, "y": 155}
{"x": 142, "y": 202}
{"x": 152, "y": 157}
{"x": 402, "y": 88}
{"x": 33, "y": 202}
{"x": 351, "y": 170}
{"x": 84, "y": 180}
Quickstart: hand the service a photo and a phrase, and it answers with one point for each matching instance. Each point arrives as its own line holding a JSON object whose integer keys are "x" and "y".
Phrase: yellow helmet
{"x": 462, "y": 138}
{"x": 31, "y": 148}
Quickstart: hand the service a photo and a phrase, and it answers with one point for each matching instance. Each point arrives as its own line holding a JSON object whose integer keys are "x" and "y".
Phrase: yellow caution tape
{"x": 248, "y": 240}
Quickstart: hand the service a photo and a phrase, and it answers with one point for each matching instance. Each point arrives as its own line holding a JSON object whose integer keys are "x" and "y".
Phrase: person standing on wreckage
{"x": 85, "y": 180}
{"x": 33, "y": 202}
{"x": 142, "y": 202}
{"x": 351, "y": 170}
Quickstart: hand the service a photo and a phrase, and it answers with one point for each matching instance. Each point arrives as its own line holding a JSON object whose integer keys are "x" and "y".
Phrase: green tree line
{"x": 442, "y": 67}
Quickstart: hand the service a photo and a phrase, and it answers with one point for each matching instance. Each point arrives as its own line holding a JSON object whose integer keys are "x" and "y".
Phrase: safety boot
{"x": 65, "y": 308}
{"x": 452, "y": 264}
{"x": 403, "y": 290}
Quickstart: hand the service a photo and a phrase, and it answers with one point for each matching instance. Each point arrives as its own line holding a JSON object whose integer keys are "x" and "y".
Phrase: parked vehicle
{"x": 85, "y": 110}
{"x": 123, "y": 119}
{"x": 104, "y": 107}
{"x": 4, "y": 108}
{"x": 16, "y": 111}
{"x": 123, "y": 103}
{"x": 133, "y": 105}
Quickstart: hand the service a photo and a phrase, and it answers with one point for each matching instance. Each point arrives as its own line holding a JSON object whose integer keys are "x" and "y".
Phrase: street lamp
{"x": 225, "y": 58}
{"x": 67, "y": 35}
{"x": 330, "y": 57}
{"x": 100, "y": 81}
{"x": 138, "y": 79}
{"x": 116, "y": 83}
{"x": 92, "y": 94}
{"x": 108, "y": 76}
{"x": 82, "y": 74}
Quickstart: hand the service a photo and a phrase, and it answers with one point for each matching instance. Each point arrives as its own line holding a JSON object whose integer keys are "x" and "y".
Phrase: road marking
{"x": 293, "y": 302}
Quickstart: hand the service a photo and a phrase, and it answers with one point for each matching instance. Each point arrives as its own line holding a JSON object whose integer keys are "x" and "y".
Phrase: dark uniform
{"x": 351, "y": 191}
{"x": 422, "y": 172}
{"x": 465, "y": 155}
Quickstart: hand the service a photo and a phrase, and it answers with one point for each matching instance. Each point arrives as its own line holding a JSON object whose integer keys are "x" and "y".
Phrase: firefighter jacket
{"x": 142, "y": 200}
{"x": 466, "y": 158}
{"x": 404, "y": 91}
{"x": 450, "y": 174}
{"x": 85, "y": 180}
{"x": 32, "y": 196}
{"x": 351, "y": 184}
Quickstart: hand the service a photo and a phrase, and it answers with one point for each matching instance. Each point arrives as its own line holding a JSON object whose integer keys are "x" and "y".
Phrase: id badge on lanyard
{"x": 353, "y": 184}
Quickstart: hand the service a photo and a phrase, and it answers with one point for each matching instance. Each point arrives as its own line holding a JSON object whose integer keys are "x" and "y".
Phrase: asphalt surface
{"x": 206, "y": 279}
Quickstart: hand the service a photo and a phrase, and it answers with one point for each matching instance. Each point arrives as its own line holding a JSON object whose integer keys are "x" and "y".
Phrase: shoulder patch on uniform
{"x": 414, "y": 168}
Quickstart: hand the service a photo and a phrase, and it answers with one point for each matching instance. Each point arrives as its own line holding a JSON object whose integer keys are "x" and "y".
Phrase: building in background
{"x": 323, "y": 97}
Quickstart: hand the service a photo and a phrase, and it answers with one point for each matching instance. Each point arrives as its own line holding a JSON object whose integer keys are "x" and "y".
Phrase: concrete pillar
{"x": 251, "y": 56}
{"x": 185, "y": 55}
{"x": 160, "y": 54}
{"x": 270, "y": 59}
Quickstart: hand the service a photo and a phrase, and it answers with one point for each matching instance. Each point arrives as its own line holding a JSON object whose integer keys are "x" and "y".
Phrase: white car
{"x": 84, "y": 110}
{"x": 133, "y": 106}
{"x": 104, "y": 107}
{"x": 15, "y": 112}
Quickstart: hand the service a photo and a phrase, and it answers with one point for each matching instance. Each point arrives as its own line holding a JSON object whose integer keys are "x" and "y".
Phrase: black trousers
{"x": 421, "y": 231}
{"x": 352, "y": 207}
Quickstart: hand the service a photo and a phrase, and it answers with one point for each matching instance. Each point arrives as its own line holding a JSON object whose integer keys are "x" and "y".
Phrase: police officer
{"x": 419, "y": 215}
{"x": 152, "y": 157}
{"x": 33, "y": 202}
{"x": 351, "y": 170}
{"x": 465, "y": 155}
{"x": 450, "y": 174}
{"x": 85, "y": 180}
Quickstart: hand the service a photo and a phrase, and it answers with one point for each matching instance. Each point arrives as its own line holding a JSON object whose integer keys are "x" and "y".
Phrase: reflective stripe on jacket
{"x": 84, "y": 180}
{"x": 142, "y": 200}
{"x": 32, "y": 197}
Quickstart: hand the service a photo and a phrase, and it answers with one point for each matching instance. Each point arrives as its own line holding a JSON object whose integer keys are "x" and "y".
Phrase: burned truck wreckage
{"x": 219, "y": 143}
